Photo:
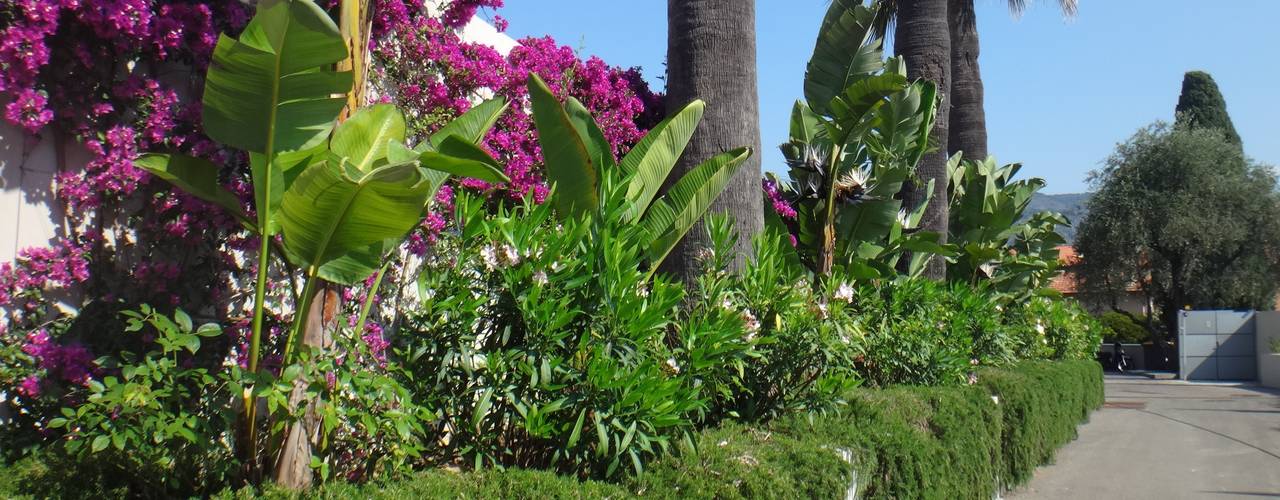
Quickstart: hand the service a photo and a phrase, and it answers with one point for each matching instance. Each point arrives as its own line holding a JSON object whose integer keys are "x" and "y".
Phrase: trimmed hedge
{"x": 903, "y": 442}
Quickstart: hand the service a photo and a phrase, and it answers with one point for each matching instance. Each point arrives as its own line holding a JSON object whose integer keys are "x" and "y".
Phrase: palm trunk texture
{"x": 923, "y": 38}
{"x": 968, "y": 127}
{"x": 711, "y": 55}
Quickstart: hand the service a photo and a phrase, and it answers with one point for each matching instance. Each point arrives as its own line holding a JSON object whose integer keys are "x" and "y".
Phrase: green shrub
{"x": 903, "y": 442}
{"x": 1121, "y": 327}
{"x": 1044, "y": 328}
{"x": 1042, "y": 402}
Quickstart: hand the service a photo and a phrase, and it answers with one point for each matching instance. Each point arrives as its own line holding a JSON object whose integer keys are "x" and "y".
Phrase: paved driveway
{"x": 1170, "y": 440}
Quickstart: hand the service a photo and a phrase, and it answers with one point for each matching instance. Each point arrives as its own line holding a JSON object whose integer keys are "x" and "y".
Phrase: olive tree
{"x": 1185, "y": 216}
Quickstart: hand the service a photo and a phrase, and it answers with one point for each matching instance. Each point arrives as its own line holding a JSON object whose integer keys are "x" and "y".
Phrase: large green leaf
{"x": 845, "y": 51}
{"x": 474, "y": 124}
{"x": 568, "y": 160}
{"x": 197, "y": 176}
{"x": 459, "y": 157}
{"x": 362, "y": 139}
{"x": 597, "y": 146}
{"x": 671, "y": 216}
{"x": 652, "y": 159}
{"x": 327, "y": 214}
{"x": 271, "y": 90}
{"x": 805, "y": 124}
{"x": 854, "y": 108}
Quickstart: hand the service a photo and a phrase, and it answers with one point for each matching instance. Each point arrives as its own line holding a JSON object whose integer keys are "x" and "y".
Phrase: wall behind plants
{"x": 30, "y": 213}
{"x": 88, "y": 85}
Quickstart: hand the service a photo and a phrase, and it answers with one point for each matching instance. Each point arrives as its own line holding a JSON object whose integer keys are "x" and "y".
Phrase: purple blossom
{"x": 29, "y": 110}
{"x": 779, "y": 202}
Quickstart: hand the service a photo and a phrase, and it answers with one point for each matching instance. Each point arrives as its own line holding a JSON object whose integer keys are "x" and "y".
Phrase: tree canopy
{"x": 1201, "y": 106}
{"x": 1186, "y": 216}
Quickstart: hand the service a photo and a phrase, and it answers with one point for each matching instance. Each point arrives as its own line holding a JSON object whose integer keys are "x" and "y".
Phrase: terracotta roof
{"x": 1066, "y": 282}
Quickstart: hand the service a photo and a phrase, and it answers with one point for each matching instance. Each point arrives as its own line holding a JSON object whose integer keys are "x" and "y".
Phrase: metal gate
{"x": 1217, "y": 345}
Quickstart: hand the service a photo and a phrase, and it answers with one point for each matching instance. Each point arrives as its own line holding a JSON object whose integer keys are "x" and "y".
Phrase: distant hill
{"x": 1071, "y": 205}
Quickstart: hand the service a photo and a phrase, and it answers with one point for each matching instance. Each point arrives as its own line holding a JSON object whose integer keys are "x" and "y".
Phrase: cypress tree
{"x": 1201, "y": 106}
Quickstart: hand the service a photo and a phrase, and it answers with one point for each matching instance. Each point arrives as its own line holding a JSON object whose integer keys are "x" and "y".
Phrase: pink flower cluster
{"x": 459, "y": 12}
{"x": 70, "y": 363}
{"x": 63, "y": 265}
{"x": 776, "y": 198}
{"x": 108, "y": 73}
{"x": 439, "y": 75}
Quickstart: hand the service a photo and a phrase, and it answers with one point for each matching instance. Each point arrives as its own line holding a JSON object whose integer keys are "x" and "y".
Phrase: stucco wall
{"x": 1268, "y": 361}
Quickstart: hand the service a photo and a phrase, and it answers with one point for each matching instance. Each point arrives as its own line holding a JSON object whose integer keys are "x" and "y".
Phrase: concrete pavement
{"x": 1167, "y": 439}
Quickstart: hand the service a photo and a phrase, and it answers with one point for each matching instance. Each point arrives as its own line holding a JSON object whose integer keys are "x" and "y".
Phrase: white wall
{"x": 29, "y": 214}
{"x": 1268, "y": 328}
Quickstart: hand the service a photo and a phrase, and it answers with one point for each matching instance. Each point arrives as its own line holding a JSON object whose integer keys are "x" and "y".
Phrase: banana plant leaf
{"x": 570, "y": 166}
{"x": 671, "y": 216}
{"x": 330, "y": 214}
{"x": 272, "y": 90}
{"x": 198, "y": 177}
{"x": 652, "y": 159}
{"x": 845, "y": 51}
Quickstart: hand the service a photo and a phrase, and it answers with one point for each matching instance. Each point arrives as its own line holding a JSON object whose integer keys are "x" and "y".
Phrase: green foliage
{"x": 1042, "y": 403}
{"x": 920, "y": 335}
{"x": 1122, "y": 328}
{"x": 1201, "y": 106}
{"x": 803, "y": 346}
{"x": 992, "y": 242}
{"x": 161, "y": 425}
{"x": 851, "y": 147}
{"x": 543, "y": 342}
{"x": 1186, "y": 216}
{"x": 923, "y": 332}
{"x": 577, "y": 156}
{"x": 903, "y": 442}
{"x": 1053, "y": 329}
{"x": 343, "y": 198}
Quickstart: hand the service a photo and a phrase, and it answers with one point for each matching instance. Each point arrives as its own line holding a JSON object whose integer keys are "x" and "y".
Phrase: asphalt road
{"x": 1169, "y": 439}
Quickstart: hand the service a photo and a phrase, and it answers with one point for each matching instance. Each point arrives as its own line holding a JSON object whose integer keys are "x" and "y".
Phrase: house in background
{"x": 1133, "y": 301}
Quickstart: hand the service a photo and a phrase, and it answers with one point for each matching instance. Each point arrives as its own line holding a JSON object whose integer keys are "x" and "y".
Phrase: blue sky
{"x": 1059, "y": 94}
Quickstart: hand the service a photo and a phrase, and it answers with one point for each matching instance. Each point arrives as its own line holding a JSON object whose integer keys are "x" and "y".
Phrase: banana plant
{"x": 576, "y": 155}
{"x": 854, "y": 140}
{"x": 991, "y": 242}
{"x": 340, "y": 198}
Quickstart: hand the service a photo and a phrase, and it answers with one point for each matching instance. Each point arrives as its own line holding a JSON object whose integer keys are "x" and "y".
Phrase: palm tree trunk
{"x": 968, "y": 119}
{"x": 924, "y": 39}
{"x": 711, "y": 55}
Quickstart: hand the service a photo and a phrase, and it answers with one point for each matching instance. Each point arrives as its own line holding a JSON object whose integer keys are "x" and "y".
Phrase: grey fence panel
{"x": 1217, "y": 345}
{"x": 1232, "y": 322}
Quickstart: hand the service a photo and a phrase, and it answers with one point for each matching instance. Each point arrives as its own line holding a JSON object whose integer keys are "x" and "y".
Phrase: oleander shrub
{"x": 919, "y": 332}
{"x": 1045, "y": 328}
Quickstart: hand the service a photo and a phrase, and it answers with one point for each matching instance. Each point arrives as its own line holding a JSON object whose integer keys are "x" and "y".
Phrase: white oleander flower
{"x": 751, "y": 324}
{"x": 844, "y": 292}
{"x": 489, "y": 255}
{"x": 540, "y": 278}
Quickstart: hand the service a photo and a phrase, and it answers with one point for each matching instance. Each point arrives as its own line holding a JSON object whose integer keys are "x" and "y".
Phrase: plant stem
{"x": 368, "y": 300}
{"x": 300, "y": 316}
{"x": 255, "y": 344}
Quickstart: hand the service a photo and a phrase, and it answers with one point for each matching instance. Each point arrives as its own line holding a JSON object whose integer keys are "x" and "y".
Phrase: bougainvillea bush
{"x": 515, "y": 324}
{"x": 121, "y": 78}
